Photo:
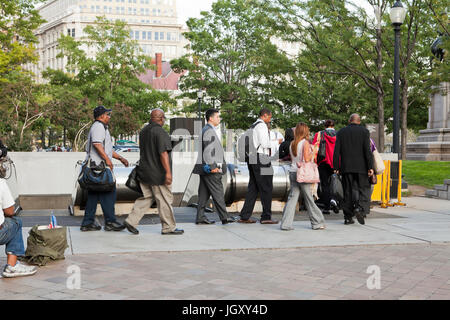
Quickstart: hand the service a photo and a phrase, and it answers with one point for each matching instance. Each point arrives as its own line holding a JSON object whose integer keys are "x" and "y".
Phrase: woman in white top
{"x": 301, "y": 151}
{"x": 11, "y": 236}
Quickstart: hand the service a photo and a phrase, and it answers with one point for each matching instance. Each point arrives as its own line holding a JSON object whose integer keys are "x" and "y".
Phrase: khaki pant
{"x": 164, "y": 199}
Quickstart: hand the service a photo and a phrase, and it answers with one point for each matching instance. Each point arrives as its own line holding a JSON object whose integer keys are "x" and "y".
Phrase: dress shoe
{"x": 90, "y": 227}
{"x": 349, "y": 221}
{"x": 205, "y": 221}
{"x": 114, "y": 226}
{"x": 269, "y": 222}
{"x": 130, "y": 228}
{"x": 174, "y": 232}
{"x": 359, "y": 215}
{"x": 229, "y": 220}
{"x": 246, "y": 221}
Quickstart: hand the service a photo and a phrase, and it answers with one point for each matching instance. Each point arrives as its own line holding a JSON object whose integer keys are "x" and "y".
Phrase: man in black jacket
{"x": 353, "y": 159}
{"x": 211, "y": 166}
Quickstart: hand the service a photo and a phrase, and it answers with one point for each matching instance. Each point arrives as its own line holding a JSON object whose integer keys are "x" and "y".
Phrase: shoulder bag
{"x": 307, "y": 172}
{"x": 97, "y": 178}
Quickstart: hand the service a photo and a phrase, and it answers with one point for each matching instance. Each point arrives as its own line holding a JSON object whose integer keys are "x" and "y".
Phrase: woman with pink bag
{"x": 302, "y": 169}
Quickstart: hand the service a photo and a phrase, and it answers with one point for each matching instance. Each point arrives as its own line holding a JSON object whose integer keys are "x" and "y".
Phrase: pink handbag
{"x": 307, "y": 172}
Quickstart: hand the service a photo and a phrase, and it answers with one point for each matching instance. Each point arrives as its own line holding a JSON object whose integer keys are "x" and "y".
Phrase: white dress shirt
{"x": 261, "y": 138}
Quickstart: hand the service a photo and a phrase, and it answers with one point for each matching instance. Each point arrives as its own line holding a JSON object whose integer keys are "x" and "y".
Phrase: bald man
{"x": 155, "y": 176}
{"x": 353, "y": 159}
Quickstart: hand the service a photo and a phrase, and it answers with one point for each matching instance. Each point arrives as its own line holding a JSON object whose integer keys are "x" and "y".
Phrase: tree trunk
{"x": 380, "y": 93}
{"x": 404, "y": 117}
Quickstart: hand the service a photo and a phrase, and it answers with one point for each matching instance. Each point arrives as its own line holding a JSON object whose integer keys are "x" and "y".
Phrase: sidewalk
{"x": 239, "y": 261}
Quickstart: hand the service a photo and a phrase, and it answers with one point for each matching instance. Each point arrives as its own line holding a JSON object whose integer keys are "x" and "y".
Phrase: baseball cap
{"x": 100, "y": 110}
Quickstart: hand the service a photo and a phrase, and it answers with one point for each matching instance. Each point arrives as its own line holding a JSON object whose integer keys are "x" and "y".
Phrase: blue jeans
{"x": 107, "y": 201}
{"x": 11, "y": 235}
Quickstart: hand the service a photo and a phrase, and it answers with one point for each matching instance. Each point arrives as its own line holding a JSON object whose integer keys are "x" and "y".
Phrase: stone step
{"x": 431, "y": 193}
{"x": 441, "y": 187}
{"x": 443, "y": 195}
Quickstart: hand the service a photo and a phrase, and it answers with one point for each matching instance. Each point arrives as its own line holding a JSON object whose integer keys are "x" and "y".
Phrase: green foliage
{"x": 18, "y": 20}
{"x": 110, "y": 78}
{"x": 230, "y": 55}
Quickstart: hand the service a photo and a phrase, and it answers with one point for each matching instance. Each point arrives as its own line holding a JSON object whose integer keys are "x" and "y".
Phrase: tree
{"x": 21, "y": 105}
{"x": 18, "y": 20}
{"x": 228, "y": 51}
{"x": 341, "y": 44}
{"x": 111, "y": 77}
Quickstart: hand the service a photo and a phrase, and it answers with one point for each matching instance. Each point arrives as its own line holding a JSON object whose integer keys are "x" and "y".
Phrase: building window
{"x": 136, "y": 35}
{"x": 149, "y": 35}
{"x": 131, "y": 34}
{"x": 156, "y": 36}
{"x": 161, "y": 36}
{"x": 144, "y": 35}
{"x": 73, "y": 33}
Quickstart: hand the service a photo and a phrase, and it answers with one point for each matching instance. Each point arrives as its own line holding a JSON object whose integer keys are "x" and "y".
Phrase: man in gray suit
{"x": 211, "y": 166}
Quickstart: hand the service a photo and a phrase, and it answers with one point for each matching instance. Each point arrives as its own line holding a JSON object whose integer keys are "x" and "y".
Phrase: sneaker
{"x": 90, "y": 227}
{"x": 19, "y": 270}
{"x": 334, "y": 206}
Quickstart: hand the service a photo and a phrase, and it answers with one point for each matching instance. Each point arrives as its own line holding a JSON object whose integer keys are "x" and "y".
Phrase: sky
{"x": 192, "y": 8}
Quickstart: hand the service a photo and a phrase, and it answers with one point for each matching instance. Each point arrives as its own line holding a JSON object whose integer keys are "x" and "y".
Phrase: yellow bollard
{"x": 399, "y": 192}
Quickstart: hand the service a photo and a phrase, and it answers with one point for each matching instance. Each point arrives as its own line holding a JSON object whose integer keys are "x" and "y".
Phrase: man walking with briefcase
{"x": 100, "y": 152}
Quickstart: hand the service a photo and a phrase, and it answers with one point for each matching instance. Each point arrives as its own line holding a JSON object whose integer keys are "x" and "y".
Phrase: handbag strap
{"x": 90, "y": 143}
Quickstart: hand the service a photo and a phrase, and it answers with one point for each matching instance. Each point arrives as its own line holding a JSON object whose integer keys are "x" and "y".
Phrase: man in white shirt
{"x": 261, "y": 172}
{"x": 11, "y": 236}
{"x": 276, "y": 139}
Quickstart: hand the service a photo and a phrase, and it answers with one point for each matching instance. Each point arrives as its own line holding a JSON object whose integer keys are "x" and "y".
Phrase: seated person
{"x": 11, "y": 236}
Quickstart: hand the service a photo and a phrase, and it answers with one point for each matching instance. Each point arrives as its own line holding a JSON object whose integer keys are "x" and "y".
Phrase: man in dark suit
{"x": 211, "y": 166}
{"x": 353, "y": 159}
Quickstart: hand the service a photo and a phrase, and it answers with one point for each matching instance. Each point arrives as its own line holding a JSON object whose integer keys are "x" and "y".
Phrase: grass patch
{"x": 426, "y": 173}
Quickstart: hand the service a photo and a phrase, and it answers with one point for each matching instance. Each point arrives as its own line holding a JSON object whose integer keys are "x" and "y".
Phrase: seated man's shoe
{"x": 269, "y": 222}
{"x": 114, "y": 226}
{"x": 19, "y": 270}
{"x": 130, "y": 228}
{"x": 174, "y": 232}
{"x": 246, "y": 221}
{"x": 349, "y": 221}
{"x": 205, "y": 221}
{"x": 229, "y": 220}
{"x": 90, "y": 227}
{"x": 359, "y": 215}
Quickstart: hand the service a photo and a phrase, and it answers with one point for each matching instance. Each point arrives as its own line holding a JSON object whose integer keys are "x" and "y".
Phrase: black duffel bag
{"x": 336, "y": 189}
{"x": 133, "y": 181}
{"x": 96, "y": 178}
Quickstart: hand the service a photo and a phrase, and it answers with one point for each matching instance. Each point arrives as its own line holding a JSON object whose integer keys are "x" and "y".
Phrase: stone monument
{"x": 433, "y": 144}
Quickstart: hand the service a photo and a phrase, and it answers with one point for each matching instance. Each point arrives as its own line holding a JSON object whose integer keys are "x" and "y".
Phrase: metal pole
{"x": 199, "y": 109}
{"x": 396, "y": 127}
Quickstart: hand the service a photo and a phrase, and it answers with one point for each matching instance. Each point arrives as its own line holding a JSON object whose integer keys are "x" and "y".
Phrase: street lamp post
{"x": 397, "y": 15}
{"x": 200, "y": 97}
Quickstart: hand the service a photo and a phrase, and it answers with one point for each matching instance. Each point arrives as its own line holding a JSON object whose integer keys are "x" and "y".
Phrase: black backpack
{"x": 322, "y": 147}
{"x": 245, "y": 151}
{"x": 3, "y": 150}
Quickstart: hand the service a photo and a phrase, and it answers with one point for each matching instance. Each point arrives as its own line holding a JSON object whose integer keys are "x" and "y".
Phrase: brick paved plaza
{"x": 410, "y": 246}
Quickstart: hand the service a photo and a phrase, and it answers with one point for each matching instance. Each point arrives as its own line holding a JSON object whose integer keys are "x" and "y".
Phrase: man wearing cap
{"x": 99, "y": 149}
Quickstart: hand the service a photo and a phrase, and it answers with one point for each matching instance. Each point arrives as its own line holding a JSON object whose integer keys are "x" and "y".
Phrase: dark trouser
{"x": 356, "y": 193}
{"x": 107, "y": 201}
{"x": 262, "y": 184}
{"x": 325, "y": 172}
{"x": 211, "y": 185}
